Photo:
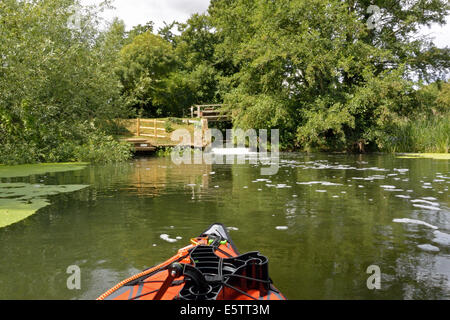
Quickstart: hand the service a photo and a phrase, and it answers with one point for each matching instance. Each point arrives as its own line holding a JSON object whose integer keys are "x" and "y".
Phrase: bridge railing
{"x": 211, "y": 112}
{"x": 150, "y": 128}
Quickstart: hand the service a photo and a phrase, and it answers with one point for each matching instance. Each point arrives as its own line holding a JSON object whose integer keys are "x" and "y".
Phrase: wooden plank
{"x": 208, "y": 105}
{"x": 211, "y": 113}
{"x": 137, "y": 140}
{"x": 152, "y": 120}
{"x": 151, "y": 128}
{"x": 216, "y": 117}
{"x": 152, "y": 135}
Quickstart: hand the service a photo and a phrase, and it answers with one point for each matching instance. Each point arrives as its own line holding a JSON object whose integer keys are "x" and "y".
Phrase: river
{"x": 322, "y": 220}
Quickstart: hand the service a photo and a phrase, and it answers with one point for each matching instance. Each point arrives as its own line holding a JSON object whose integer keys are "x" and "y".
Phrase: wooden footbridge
{"x": 211, "y": 112}
{"x": 151, "y": 134}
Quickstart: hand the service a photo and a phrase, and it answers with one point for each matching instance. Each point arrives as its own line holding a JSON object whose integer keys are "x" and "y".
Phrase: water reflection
{"x": 152, "y": 177}
{"x": 322, "y": 220}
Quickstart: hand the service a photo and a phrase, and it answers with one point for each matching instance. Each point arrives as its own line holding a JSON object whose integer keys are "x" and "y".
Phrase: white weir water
{"x": 233, "y": 151}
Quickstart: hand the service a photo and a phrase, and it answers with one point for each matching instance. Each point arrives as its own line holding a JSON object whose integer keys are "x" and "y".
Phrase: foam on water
{"x": 323, "y": 183}
{"x": 426, "y": 207}
{"x": 428, "y": 247}
{"x": 412, "y": 221}
{"x": 434, "y": 204}
{"x": 282, "y": 186}
{"x": 233, "y": 151}
{"x": 402, "y": 196}
{"x": 441, "y": 238}
{"x": 320, "y": 165}
{"x": 375, "y": 177}
{"x": 166, "y": 237}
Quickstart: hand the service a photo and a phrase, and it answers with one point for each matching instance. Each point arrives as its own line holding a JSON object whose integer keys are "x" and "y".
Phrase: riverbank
{"x": 436, "y": 156}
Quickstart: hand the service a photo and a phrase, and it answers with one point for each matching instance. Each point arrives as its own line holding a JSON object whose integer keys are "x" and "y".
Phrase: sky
{"x": 135, "y": 12}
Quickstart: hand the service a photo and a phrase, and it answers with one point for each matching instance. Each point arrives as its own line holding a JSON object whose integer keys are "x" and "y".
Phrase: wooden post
{"x": 192, "y": 112}
{"x": 156, "y": 130}
{"x": 138, "y": 127}
{"x": 205, "y": 138}
{"x": 199, "y": 115}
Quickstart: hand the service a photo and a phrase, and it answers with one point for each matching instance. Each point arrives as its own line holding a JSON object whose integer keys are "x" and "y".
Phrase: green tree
{"x": 317, "y": 71}
{"x": 145, "y": 64}
{"x": 164, "y": 74}
{"x": 198, "y": 71}
{"x": 56, "y": 88}
{"x": 139, "y": 29}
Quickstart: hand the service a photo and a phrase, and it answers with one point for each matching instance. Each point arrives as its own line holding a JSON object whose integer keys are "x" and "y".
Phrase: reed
{"x": 430, "y": 135}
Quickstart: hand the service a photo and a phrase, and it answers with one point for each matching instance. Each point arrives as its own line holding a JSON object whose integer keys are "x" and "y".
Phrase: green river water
{"x": 321, "y": 221}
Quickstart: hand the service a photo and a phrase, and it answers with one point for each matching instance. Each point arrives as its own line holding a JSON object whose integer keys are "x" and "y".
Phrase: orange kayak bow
{"x": 210, "y": 268}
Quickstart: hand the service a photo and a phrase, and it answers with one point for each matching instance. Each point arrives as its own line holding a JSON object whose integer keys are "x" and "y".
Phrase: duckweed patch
{"x": 18, "y": 201}
{"x": 32, "y": 169}
{"x": 436, "y": 156}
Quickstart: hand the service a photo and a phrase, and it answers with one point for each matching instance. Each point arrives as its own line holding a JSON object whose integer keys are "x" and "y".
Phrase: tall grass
{"x": 424, "y": 135}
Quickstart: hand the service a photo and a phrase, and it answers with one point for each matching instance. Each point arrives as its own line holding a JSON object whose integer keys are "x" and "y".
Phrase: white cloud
{"x": 135, "y": 12}
{"x": 441, "y": 34}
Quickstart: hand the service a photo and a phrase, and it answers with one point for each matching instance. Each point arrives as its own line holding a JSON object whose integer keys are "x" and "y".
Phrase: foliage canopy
{"x": 315, "y": 69}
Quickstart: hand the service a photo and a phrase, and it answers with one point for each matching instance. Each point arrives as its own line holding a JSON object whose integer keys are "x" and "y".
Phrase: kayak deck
{"x": 210, "y": 268}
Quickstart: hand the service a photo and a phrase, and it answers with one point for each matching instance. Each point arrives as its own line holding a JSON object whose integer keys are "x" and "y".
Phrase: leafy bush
{"x": 176, "y": 121}
{"x": 102, "y": 148}
{"x": 168, "y": 127}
